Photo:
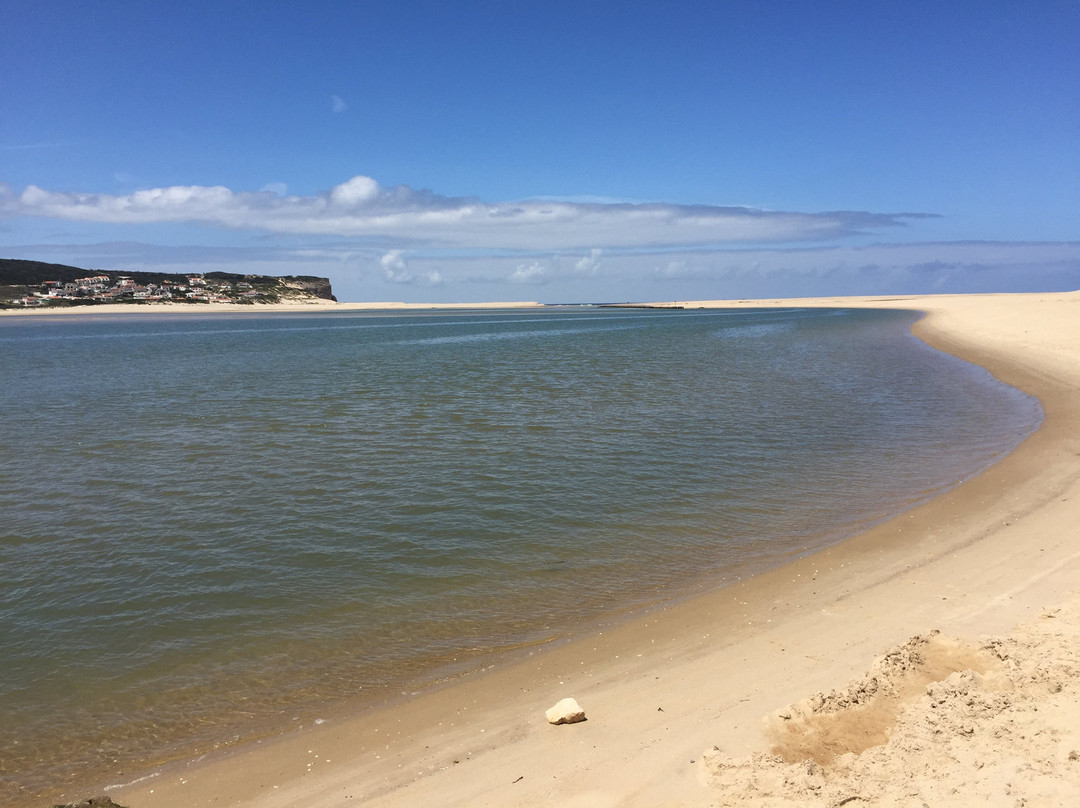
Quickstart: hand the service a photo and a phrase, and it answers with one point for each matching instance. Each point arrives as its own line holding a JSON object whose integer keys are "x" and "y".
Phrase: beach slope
{"x": 712, "y": 701}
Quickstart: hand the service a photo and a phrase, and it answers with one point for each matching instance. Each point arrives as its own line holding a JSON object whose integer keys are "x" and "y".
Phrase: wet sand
{"x": 683, "y": 703}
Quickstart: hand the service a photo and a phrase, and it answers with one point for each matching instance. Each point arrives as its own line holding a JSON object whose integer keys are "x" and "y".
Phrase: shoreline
{"x": 661, "y": 688}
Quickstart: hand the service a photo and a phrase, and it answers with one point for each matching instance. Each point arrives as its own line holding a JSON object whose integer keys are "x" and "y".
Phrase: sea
{"x": 212, "y": 526}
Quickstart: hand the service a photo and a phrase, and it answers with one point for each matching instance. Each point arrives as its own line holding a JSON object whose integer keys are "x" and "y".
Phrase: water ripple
{"x": 213, "y": 523}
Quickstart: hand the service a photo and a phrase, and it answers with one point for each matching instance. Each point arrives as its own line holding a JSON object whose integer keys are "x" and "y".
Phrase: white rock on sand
{"x": 567, "y": 711}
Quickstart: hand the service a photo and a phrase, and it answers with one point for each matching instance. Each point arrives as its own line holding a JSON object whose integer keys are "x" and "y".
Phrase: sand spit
{"x": 686, "y": 706}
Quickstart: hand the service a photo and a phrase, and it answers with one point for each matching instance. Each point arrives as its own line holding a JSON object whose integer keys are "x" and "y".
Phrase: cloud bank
{"x": 369, "y": 273}
{"x": 361, "y": 207}
{"x": 394, "y": 243}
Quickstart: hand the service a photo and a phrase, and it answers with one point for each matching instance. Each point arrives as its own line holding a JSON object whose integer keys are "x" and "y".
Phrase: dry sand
{"x": 759, "y": 693}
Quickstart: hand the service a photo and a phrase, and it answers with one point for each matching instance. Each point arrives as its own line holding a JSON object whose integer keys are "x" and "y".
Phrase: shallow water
{"x": 213, "y": 523}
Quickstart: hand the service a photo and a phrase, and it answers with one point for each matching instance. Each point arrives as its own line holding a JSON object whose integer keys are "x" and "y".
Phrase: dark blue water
{"x": 210, "y": 523}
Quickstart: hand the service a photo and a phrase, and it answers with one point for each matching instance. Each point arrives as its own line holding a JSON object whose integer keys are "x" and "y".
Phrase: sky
{"x": 561, "y": 152}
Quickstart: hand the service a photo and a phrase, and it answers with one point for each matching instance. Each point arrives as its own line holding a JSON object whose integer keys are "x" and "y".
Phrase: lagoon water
{"x": 212, "y": 525}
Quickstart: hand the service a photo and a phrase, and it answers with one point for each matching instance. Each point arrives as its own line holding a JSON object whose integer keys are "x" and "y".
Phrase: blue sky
{"x": 449, "y": 151}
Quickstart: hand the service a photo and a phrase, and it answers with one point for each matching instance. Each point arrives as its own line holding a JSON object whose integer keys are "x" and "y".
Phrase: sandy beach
{"x": 931, "y": 660}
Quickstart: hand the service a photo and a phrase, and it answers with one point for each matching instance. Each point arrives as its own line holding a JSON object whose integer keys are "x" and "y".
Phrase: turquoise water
{"x": 212, "y": 524}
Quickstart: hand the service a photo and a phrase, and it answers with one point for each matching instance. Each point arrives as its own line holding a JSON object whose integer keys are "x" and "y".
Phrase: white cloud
{"x": 355, "y": 192}
{"x": 360, "y": 207}
{"x": 396, "y": 269}
{"x": 529, "y": 273}
{"x": 276, "y": 188}
{"x": 337, "y": 104}
{"x": 590, "y": 263}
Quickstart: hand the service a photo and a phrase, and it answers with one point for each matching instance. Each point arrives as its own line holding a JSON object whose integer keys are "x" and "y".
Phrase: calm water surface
{"x": 213, "y": 524}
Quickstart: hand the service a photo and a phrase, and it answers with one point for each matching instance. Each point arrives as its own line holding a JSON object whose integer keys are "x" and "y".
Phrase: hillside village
{"x": 103, "y": 289}
{"x": 33, "y": 284}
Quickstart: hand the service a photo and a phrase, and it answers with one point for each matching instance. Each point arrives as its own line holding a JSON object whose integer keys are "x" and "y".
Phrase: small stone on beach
{"x": 567, "y": 711}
